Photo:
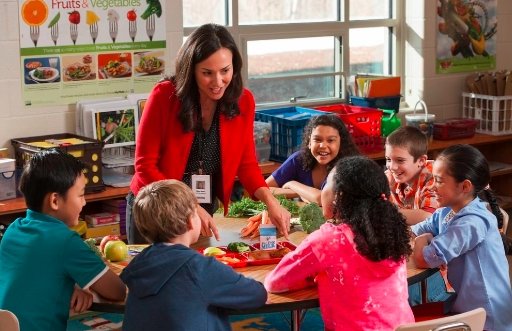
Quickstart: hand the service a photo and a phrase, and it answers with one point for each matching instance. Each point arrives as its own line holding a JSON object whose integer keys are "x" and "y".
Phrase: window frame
{"x": 339, "y": 29}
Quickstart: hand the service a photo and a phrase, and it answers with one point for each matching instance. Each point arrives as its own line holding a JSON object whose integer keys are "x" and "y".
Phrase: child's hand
{"x": 81, "y": 300}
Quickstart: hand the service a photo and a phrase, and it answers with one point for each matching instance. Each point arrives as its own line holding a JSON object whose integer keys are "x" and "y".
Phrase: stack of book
{"x": 102, "y": 224}
{"x": 117, "y": 206}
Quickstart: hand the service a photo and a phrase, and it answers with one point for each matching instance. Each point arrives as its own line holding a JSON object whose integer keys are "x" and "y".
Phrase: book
{"x": 371, "y": 86}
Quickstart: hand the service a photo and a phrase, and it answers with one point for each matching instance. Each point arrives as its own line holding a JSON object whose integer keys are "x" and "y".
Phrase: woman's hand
{"x": 81, "y": 300}
{"x": 280, "y": 217}
{"x": 208, "y": 227}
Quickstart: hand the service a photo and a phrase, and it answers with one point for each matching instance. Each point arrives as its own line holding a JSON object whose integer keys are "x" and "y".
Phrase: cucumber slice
{"x": 54, "y": 20}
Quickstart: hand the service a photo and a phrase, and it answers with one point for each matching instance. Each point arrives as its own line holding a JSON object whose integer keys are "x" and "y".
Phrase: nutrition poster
{"x": 74, "y": 50}
{"x": 466, "y": 35}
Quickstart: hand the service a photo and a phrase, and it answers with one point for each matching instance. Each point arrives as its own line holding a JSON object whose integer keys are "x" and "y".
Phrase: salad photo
{"x": 77, "y": 68}
{"x": 149, "y": 63}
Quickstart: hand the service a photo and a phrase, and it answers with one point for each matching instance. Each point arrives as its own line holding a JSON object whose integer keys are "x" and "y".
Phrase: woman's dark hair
{"x": 466, "y": 162}
{"x": 361, "y": 201}
{"x": 203, "y": 42}
{"x": 347, "y": 145}
{"x": 46, "y": 172}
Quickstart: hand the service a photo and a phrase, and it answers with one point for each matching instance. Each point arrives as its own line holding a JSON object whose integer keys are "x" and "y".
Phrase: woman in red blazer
{"x": 200, "y": 121}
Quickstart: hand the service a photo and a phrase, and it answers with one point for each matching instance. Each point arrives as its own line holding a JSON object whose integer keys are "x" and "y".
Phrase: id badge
{"x": 201, "y": 186}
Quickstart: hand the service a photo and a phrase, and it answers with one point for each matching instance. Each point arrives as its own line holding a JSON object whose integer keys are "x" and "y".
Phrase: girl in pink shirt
{"x": 359, "y": 260}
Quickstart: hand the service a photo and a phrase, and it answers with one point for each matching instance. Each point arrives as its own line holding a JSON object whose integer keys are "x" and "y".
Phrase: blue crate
{"x": 287, "y": 128}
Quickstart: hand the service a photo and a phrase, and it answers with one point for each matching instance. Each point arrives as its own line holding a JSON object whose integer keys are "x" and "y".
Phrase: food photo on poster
{"x": 149, "y": 63}
{"x": 41, "y": 70}
{"x": 79, "y": 67}
{"x": 114, "y": 65}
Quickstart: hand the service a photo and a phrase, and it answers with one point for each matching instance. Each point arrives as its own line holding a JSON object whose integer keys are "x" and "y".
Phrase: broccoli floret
{"x": 238, "y": 247}
{"x": 311, "y": 217}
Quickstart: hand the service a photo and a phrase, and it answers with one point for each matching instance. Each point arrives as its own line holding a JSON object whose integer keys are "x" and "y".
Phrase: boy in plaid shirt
{"x": 411, "y": 183}
{"x": 410, "y": 174}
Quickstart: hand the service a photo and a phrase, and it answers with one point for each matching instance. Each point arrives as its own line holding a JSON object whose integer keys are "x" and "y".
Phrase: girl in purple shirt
{"x": 325, "y": 141}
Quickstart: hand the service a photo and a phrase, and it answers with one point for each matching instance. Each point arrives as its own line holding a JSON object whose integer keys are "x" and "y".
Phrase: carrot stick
{"x": 264, "y": 217}
{"x": 255, "y": 234}
{"x": 255, "y": 218}
{"x": 250, "y": 228}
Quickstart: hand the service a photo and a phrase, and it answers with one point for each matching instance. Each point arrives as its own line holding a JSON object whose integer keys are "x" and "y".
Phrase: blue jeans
{"x": 435, "y": 292}
{"x": 132, "y": 233}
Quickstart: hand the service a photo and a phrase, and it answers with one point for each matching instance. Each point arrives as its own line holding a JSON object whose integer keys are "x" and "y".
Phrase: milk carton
{"x": 268, "y": 238}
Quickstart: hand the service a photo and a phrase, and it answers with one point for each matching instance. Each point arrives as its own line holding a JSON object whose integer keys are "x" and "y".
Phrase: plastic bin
{"x": 364, "y": 124}
{"x": 455, "y": 128}
{"x": 493, "y": 113}
{"x": 263, "y": 153}
{"x": 85, "y": 149}
{"x": 392, "y": 102}
{"x": 7, "y": 179}
{"x": 287, "y": 128}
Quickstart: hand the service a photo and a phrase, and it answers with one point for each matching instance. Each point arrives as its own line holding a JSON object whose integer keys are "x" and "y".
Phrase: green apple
{"x": 116, "y": 250}
{"x": 213, "y": 251}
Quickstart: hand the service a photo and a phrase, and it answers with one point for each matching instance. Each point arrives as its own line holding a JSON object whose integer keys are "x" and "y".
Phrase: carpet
{"x": 276, "y": 322}
{"x": 264, "y": 322}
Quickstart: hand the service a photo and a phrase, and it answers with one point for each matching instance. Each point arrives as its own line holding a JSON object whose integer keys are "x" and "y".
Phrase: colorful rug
{"x": 264, "y": 322}
{"x": 276, "y": 322}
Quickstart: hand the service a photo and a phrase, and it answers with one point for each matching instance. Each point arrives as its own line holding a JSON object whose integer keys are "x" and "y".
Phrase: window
{"x": 303, "y": 51}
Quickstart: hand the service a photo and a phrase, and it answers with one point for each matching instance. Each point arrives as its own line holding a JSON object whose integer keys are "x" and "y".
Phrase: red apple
{"x": 106, "y": 239}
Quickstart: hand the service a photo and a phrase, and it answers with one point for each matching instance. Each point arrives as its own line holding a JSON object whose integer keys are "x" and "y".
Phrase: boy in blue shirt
{"x": 45, "y": 267}
{"x": 171, "y": 286}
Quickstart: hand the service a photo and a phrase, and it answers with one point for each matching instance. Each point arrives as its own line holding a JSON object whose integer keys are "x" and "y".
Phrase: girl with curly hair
{"x": 303, "y": 174}
{"x": 360, "y": 256}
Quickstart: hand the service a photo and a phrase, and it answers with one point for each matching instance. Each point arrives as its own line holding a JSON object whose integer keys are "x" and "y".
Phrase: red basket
{"x": 363, "y": 123}
{"x": 455, "y": 128}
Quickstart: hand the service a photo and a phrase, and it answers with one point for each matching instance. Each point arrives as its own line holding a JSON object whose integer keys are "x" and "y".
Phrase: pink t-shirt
{"x": 354, "y": 292}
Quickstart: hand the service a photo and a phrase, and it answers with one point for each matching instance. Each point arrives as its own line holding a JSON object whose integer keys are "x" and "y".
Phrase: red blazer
{"x": 163, "y": 147}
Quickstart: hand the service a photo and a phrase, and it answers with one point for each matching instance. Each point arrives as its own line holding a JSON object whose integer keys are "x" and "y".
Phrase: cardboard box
{"x": 99, "y": 219}
{"x": 102, "y": 231}
{"x": 7, "y": 179}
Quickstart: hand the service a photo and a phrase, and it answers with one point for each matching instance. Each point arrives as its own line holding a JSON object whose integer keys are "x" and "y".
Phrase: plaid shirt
{"x": 417, "y": 196}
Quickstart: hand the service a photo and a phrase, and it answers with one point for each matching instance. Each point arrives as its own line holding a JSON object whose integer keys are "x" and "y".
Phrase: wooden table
{"x": 296, "y": 302}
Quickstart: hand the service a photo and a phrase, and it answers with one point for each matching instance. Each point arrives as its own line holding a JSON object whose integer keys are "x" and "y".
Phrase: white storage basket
{"x": 494, "y": 113}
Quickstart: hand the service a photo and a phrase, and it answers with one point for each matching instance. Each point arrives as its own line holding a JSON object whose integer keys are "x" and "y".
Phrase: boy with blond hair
{"x": 171, "y": 286}
{"x": 410, "y": 174}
